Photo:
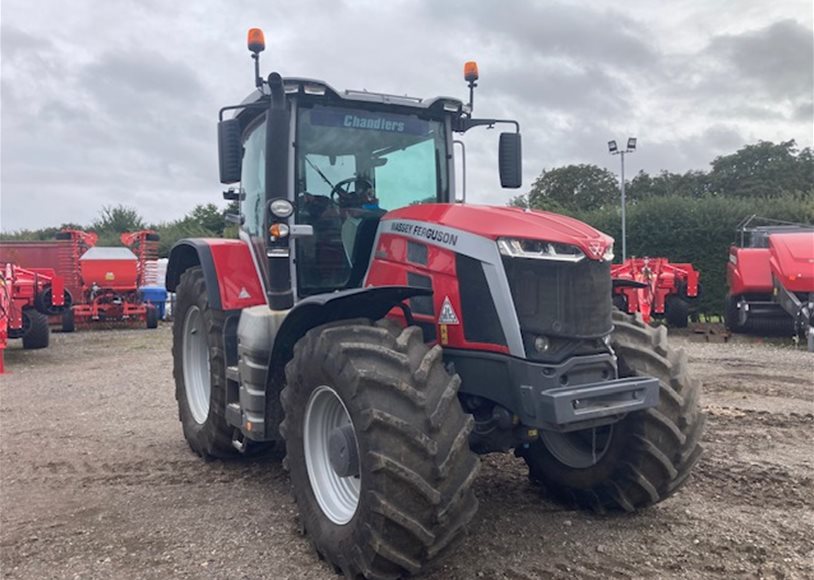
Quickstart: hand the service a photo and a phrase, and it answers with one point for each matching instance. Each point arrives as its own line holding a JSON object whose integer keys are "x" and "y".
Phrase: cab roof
{"x": 313, "y": 87}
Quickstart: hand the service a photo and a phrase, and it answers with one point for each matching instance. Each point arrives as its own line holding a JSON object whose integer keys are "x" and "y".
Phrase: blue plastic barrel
{"x": 157, "y": 295}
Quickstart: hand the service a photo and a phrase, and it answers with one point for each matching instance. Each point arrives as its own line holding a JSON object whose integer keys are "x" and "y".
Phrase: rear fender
{"x": 232, "y": 282}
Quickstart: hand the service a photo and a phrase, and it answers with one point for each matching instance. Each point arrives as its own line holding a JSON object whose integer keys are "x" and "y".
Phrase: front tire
{"x": 38, "y": 334}
{"x": 412, "y": 498}
{"x": 68, "y": 320}
{"x": 199, "y": 368}
{"x": 645, "y": 457}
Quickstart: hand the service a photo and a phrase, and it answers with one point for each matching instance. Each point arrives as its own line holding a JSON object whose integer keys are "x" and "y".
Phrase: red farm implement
{"x": 104, "y": 282}
{"x": 27, "y": 298}
{"x": 110, "y": 281}
{"x": 771, "y": 280}
{"x": 655, "y": 288}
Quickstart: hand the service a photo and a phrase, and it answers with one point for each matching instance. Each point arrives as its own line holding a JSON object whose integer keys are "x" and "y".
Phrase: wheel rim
{"x": 338, "y": 497}
{"x": 579, "y": 449}
{"x": 196, "y": 365}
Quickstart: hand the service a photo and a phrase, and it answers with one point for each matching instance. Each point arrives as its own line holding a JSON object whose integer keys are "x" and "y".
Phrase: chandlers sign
{"x": 356, "y": 119}
{"x": 424, "y": 232}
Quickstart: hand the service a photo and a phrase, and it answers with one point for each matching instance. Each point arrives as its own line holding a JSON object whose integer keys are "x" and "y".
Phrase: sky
{"x": 116, "y": 102}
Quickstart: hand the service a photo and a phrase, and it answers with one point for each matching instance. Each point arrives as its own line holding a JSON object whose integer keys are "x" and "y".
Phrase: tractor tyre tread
{"x": 654, "y": 450}
{"x": 39, "y": 333}
{"x": 416, "y": 466}
{"x": 213, "y": 439}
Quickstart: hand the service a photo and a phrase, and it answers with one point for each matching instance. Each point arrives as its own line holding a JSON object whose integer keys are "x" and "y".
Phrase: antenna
{"x": 257, "y": 43}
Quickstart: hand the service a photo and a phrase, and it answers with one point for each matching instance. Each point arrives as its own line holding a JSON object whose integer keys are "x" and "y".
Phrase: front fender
{"x": 373, "y": 302}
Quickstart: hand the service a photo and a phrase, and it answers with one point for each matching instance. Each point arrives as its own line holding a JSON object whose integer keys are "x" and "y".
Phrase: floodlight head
{"x": 631, "y": 143}
{"x": 612, "y": 148}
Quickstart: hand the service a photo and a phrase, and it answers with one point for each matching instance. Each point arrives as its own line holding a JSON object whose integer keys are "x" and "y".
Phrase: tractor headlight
{"x": 281, "y": 208}
{"x": 608, "y": 255}
{"x": 539, "y": 250}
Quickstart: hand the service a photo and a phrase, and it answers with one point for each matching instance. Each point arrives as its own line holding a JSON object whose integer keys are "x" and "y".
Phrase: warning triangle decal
{"x": 448, "y": 315}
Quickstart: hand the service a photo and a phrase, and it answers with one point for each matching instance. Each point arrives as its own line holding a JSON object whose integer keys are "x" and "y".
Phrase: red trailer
{"x": 29, "y": 296}
{"x": 60, "y": 255}
{"x": 658, "y": 289}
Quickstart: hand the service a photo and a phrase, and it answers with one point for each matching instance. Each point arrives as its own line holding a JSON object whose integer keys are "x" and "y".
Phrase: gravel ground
{"x": 96, "y": 481}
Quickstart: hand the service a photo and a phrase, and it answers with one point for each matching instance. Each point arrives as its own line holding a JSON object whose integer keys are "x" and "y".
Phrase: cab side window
{"x": 253, "y": 181}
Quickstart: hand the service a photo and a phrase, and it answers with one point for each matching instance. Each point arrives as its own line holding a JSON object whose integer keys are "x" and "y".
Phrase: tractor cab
{"x": 318, "y": 168}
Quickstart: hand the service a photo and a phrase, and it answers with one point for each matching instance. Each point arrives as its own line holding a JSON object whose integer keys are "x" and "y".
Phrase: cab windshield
{"x": 353, "y": 166}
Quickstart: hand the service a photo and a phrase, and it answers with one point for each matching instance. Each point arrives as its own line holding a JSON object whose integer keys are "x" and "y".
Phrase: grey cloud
{"x": 142, "y": 72}
{"x": 557, "y": 86}
{"x": 776, "y": 59}
{"x": 547, "y": 29}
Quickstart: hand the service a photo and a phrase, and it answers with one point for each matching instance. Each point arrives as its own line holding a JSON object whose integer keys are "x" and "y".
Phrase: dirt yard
{"x": 97, "y": 482}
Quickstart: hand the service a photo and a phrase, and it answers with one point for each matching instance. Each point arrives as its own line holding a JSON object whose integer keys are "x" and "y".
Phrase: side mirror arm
{"x": 464, "y": 124}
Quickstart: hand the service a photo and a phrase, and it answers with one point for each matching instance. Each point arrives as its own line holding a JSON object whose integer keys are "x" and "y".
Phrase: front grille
{"x": 564, "y": 299}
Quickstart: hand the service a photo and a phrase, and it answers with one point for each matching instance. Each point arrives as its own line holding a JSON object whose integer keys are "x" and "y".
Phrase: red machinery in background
{"x": 110, "y": 281}
{"x": 655, "y": 288}
{"x": 771, "y": 279}
{"x": 27, "y": 298}
{"x": 103, "y": 281}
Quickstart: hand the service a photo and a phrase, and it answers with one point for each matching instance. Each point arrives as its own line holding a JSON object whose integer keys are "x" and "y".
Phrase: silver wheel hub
{"x": 331, "y": 455}
{"x": 195, "y": 352}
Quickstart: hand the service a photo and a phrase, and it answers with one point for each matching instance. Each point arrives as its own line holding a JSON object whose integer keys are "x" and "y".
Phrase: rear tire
{"x": 68, "y": 320}
{"x": 202, "y": 417}
{"x": 413, "y": 497}
{"x": 676, "y": 311}
{"x": 650, "y": 453}
{"x": 38, "y": 334}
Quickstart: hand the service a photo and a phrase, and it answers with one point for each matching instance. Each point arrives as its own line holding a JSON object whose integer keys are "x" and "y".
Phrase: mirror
{"x": 230, "y": 150}
{"x": 510, "y": 160}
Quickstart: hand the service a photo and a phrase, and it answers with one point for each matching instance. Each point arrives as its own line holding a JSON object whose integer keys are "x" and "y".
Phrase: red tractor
{"x": 387, "y": 335}
{"x": 29, "y": 296}
{"x": 771, "y": 279}
{"x": 661, "y": 289}
{"x": 110, "y": 279}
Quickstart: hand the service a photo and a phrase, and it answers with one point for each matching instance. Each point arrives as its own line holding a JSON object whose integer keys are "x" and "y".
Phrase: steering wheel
{"x": 342, "y": 191}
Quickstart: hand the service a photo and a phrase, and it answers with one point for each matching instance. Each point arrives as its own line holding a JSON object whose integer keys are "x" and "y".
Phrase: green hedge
{"x": 698, "y": 231}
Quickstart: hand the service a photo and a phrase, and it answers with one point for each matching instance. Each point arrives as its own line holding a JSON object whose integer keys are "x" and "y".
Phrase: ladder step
{"x": 233, "y": 415}
{"x": 233, "y": 374}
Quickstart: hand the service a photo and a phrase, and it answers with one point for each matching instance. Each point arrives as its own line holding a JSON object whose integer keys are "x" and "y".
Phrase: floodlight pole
{"x": 621, "y": 153}
{"x": 624, "y": 225}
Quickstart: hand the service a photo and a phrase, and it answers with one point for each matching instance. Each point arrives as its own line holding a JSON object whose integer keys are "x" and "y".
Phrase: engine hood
{"x": 510, "y": 222}
{"x": 792, "y": 260}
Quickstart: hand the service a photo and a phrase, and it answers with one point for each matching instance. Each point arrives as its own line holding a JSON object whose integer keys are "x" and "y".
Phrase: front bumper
{"x": 580, "y": 392}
